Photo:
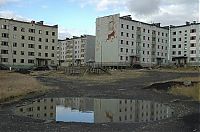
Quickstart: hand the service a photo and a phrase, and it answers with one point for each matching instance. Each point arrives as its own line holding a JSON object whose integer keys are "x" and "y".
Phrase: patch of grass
{"x": 103, "y": 78}
{"x": 179, "y": 69}
{"x": 13, "y": 85}
{"x": 189, "y": 91}
{"x": 196, "y": 79}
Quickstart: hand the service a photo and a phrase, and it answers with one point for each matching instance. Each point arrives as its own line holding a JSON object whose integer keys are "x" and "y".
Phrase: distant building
{"x": 121, "y": 41}
{"x": 27, "y": 44}
{"x": 185, "y": 47}
{"x": 77, "y": 50}
{"x": 64, "y": 51}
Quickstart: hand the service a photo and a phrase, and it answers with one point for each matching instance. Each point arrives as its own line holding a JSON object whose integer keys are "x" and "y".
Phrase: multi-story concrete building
{"x": 27, "y": 44}
{"x": 121, "y": 41}
{"x": 64, "y": 51}
{"x": 78, "y": 50}
{"x": 184, "y": 45}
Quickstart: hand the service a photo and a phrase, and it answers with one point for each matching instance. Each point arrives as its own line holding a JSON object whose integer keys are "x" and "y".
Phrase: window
{"x": 53, "y": 33}
{"x": 122, "y": 25}
{"x": 4, "y": 59}
{"x": 193, "y": 31}
{"x": 52, "y": 55}
{"x": 14, "y": 44}
{"x": 39, "y": 46}
{"x": 22, "y": 52}
{"x": 22, "y": 29}
{"x": 53, "y": 40}
{"x": 46, "y": 54}
{"x": 14, "y": 52}
{"x": 5, "y": 35}
{"x": 192, "y": 45}
{"x": 192, "y": 59}
{"x": 180, "y": 32}
{"x": 143, "y": 37}
{"x": 132, "y": 43}
{"x": 132, "y": 35}
{"x": 30, "y": 53}
{"x": 132, "y": 27}
{"x": 31, "y": 38}
{"x": 46, "y": 47}
{"x": 31, "y": 46}
{"x": 22, "y": 37}
{"x": 22, "y": 44}
{"x": 174, "y": 39}
{"x": 127, "y": 43}
{"x": 143, "y": 44}
{"x": 31, "y": 30}
{"x": 40, "y": 39}
{"x": 31, "y": 62}
{"x": 4, "y": 26}
{"x": 127, "y": 26}
{"x": 193, "y": 38}
{"x": 179, "y": 39}
{"x": 46, "y": 40}
{"x": 4, "y": 43}
{"x": 126, "y": 58}
{"x": 53, "y": 48}
{"x": 162, "y": 34}
{"x": 14, "y": 60}
{"x": 126, "y": 50}
{"x": 193, "y": 52}
{"x": 4, "y": 51}
{"x": 127, "y": 34}
{"x": 179, "y": 46}
{"x": 174, "y": 33}
{"x": 122, "y": 41}
{"x": 121, "y": 57}
{"x": 179, "y": 52}
{"x": 158, "y": 33}
{"x": 47, "y": 32}
{"x": 144, "y": 30}
{"x": 39, "y": 54}
{"x": 22, "y": 61}
{"x": 40, "y": 31}
{"x": 14, "y": 28}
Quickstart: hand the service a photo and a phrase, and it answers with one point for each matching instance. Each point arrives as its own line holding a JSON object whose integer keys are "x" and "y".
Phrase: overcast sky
{"x": 77, "y": 17}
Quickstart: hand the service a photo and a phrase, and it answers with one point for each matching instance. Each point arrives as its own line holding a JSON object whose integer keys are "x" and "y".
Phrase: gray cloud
{"x": 165, "y": 11}
{"x": 143, "y": 7}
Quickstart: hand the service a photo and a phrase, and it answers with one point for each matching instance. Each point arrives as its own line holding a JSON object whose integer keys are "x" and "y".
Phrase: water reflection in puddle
{"x": 92, "y": 110}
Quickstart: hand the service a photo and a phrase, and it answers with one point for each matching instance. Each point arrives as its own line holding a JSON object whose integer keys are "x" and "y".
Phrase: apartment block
{"x": 27, "y": 44}
{"x": 121, "y": 41}
{"x": 78, "y": 50}
{"x": 184, "y": 45}
{"x": 64, "y": 51}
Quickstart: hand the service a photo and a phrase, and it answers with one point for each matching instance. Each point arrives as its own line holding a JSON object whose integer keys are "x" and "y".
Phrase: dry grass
{"x": 98, "y": 79}
{"x": 13, "y": 85}
{"x": 196, "y": 79}
{"x": 179, "y": 69}
{"x": 190, "y": 91}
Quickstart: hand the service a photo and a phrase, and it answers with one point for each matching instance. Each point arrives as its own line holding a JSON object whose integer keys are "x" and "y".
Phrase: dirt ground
{"x": 187, "y": 117}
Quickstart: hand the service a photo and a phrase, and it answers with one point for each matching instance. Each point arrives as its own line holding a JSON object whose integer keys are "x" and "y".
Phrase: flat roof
{"x": 172, "y": 26}
{"x": 153, "y": 24}
{"x": 32, "y": 22}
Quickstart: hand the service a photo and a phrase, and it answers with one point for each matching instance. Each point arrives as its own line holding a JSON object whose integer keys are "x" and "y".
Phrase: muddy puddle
{"x": 94, "y": 110}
